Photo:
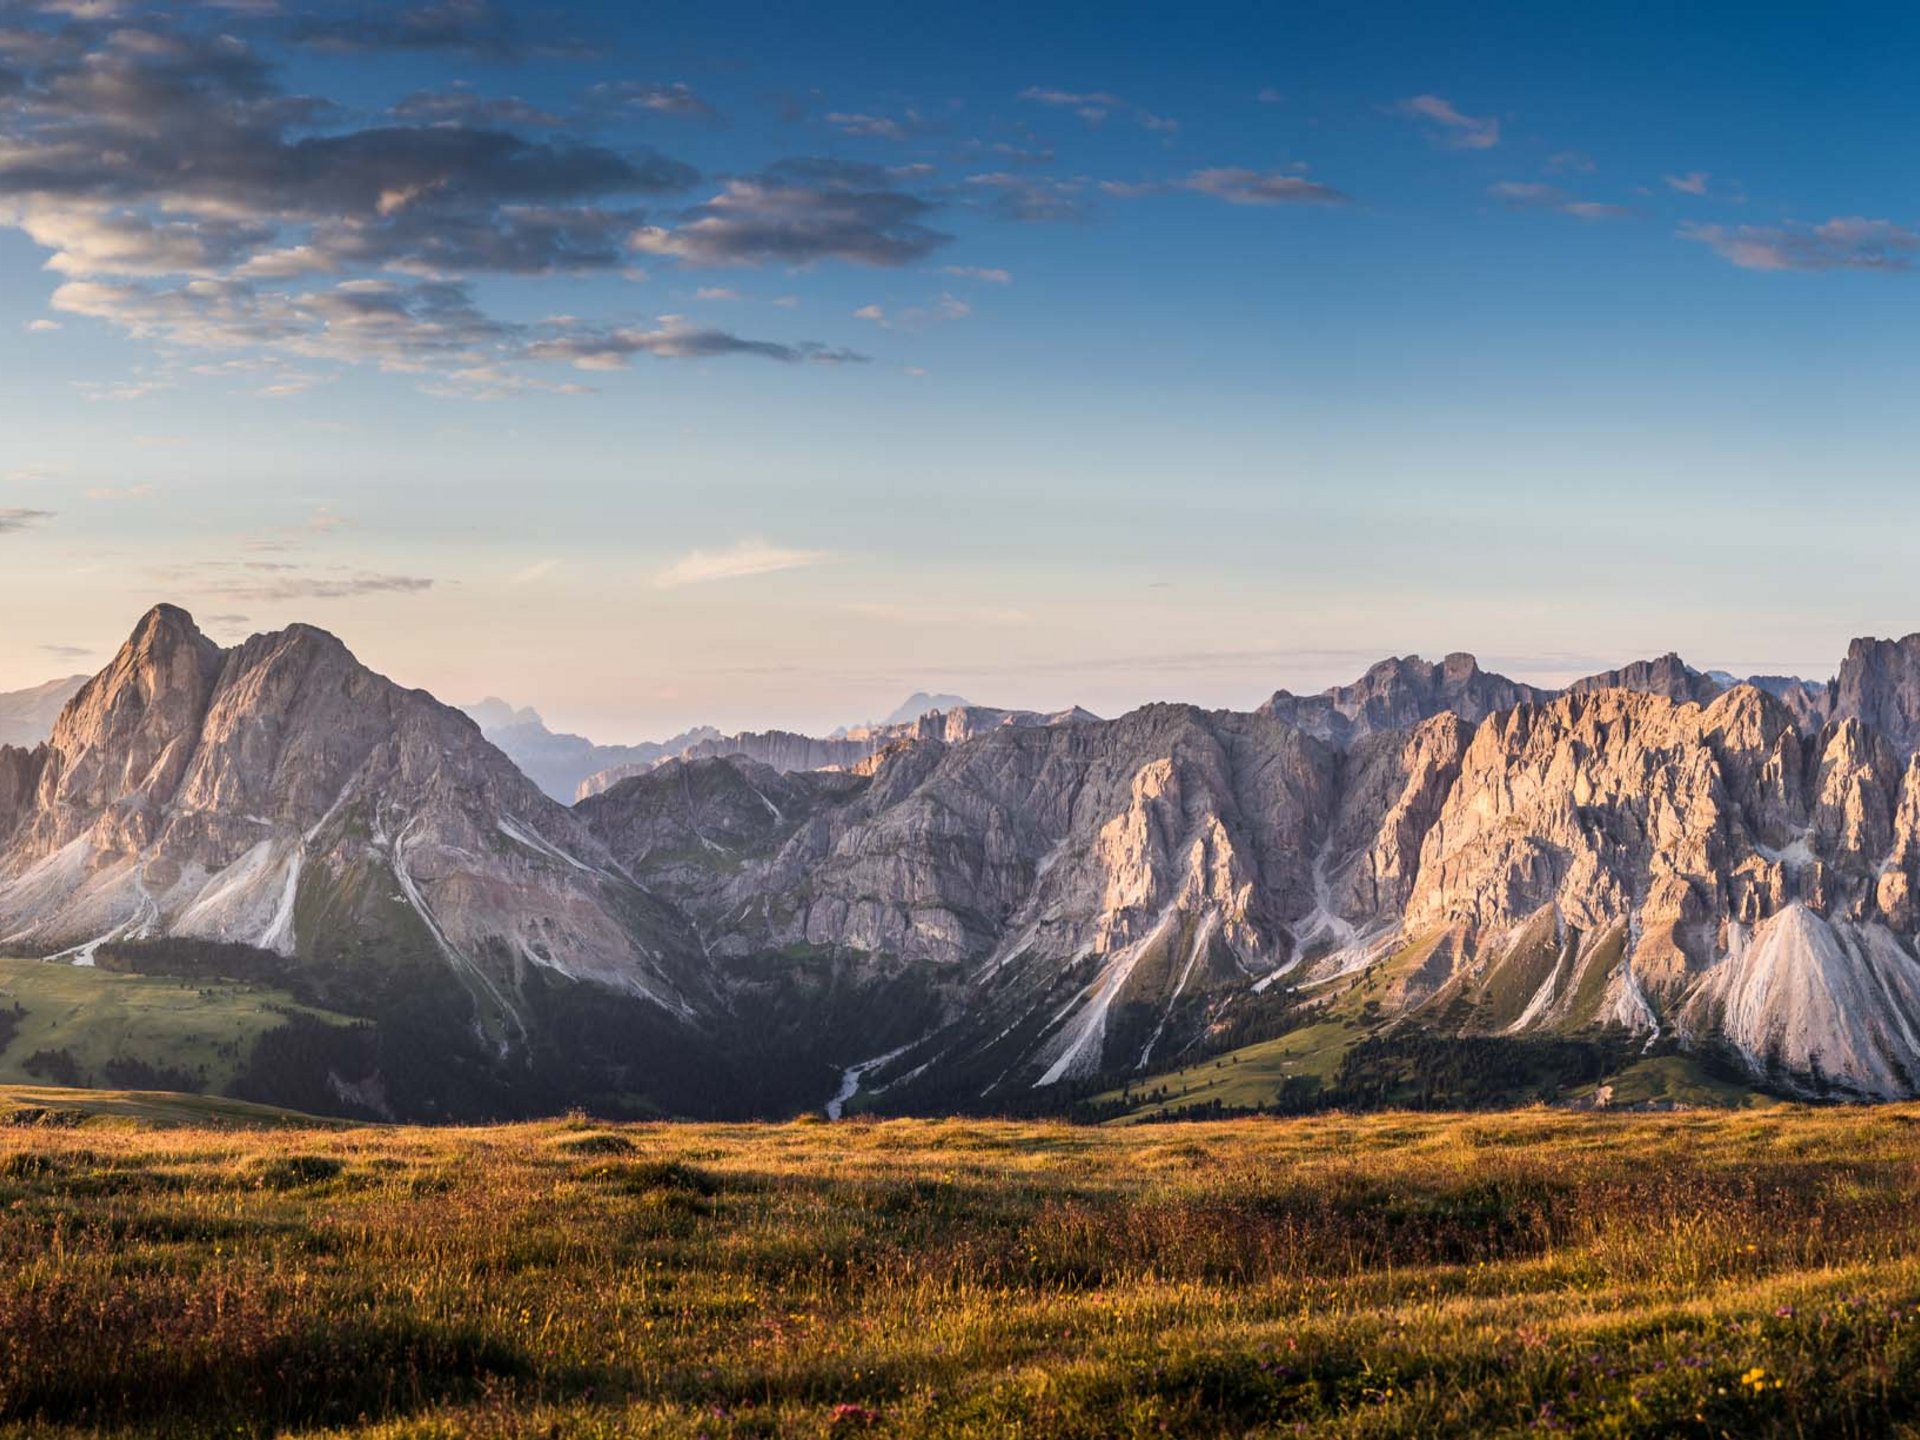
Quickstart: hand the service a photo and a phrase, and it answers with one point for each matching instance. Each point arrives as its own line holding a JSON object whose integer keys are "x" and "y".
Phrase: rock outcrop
{"x": 1879, "y": 684}
{"x": 1397, "y": 694}
{"x": 1669, "y": 676}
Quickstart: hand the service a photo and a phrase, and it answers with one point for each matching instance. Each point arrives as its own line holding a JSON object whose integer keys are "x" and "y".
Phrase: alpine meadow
{"x": 487, "y": 950}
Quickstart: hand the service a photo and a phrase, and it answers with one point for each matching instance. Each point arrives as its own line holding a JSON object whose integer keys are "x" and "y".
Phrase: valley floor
{"x": 206, "y": 1268}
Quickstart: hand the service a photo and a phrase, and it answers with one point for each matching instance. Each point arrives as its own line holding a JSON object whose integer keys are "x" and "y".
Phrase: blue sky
{"x": 755, "y": 364}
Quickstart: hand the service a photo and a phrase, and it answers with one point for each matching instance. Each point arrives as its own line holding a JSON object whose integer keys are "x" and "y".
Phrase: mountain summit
{"x": 282, "y": 797}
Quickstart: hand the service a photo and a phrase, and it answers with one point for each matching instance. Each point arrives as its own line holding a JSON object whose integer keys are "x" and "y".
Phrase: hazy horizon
{"x": 1310, "y": 672}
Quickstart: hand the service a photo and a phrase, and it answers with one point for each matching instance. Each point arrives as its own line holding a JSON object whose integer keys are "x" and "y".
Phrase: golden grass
{"x": 1699, "y": 1273}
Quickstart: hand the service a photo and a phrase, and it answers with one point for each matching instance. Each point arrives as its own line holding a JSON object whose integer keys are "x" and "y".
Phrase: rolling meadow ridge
{"x": 184, "y": 1266}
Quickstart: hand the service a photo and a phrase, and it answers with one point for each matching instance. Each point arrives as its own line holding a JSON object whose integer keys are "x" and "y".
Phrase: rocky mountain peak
{"x": 1879, "y": 682}
{"x": 283, "y": 796}
{"x": 1666, "y": 675}
{"x": 922, "y": 703}
{"x": 127, "y": 737}
{"x": 1399, "y": 693}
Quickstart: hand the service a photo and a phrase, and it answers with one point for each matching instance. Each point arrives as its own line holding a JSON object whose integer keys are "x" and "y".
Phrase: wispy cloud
{"x": 1094, "y": 106}
{"x": 272, "y": 581}
{"x": 480, "y": 28}
{"x": 1032, "y": 199}
{"x": 800, "y": 212}
{"x": 1449, "y": 126}
{"x": 1694, "y": 182}
{"x": 916, "y": 317}
{"x": 676, "y": 99}
{"x": 591, "y": 347}
{"x": 1845, "y": 243}
{"x": 1262, "y": 187}
{"x": 736, "y": 562}
{"x": 15, "y": 518}
{"x": 987, "y": 274}
{"x": 1533, "y": 195}
{"x": 874, "y": 127}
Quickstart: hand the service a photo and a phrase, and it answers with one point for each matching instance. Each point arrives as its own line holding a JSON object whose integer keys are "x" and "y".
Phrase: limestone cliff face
{"x": 1653, "y": 850}
{"x": 282, "y": 795}
{"x": 1758, "y": 879}
{"x": 1669, "y": 676}
{"x": 1398, "y": 694}
{"x": 1616, "y": 855}
{"x": 1879, "y": 684}
{"x": 1081, "y": 870}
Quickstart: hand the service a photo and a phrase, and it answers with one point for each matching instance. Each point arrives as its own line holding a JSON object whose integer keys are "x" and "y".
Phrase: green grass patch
{"x": 1299, "y": 1064}
{"x": 82, "y": 1026}
{"x": 1679, "y": 1081}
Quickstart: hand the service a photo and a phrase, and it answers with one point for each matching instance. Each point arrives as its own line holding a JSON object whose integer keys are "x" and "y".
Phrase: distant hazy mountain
{"x": 789, "y": 753}
{"x": 27, "y": 716}
{"x": 921, "y": 703}
{"x": 905, "y": 713}
{"x": 558, "y": 763}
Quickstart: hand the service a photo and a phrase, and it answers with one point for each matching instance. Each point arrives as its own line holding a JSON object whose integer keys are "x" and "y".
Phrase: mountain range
{"x": 1433, "y": 870}
{"x": 562, "y": 764}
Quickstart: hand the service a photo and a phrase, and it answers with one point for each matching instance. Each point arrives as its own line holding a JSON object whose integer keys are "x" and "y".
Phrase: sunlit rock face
{"x": 281, "y": 795}
{"x": 1655, "y": 849}
{"x": 1610, "y": 855}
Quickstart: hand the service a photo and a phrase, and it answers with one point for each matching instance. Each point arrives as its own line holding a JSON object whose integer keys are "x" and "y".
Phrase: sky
{"x": 757, "y": 364}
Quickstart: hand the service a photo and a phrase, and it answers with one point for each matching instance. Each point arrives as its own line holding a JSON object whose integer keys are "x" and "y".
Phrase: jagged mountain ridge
{"x": 1013, "y": 909}
{"x": 1093, "y": 895}
{"x": 280, "y": 795}
{"x": 1399, "y": 692}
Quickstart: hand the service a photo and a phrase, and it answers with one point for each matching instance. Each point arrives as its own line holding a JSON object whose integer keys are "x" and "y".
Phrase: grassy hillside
{"x": 148, "y": 1031}
{"x": 1345, "y": 1044}
{"x": 1712, "y": 1273}
{"x": 54, "y": 1107}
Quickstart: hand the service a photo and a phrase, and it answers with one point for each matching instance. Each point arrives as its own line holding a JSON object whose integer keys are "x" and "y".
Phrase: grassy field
{"x": 56, "y": 1107}
{"x": 1251, "y": 1075}
{"x": 204, "y": 1028}
{"x": 1705, "y": 1273}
